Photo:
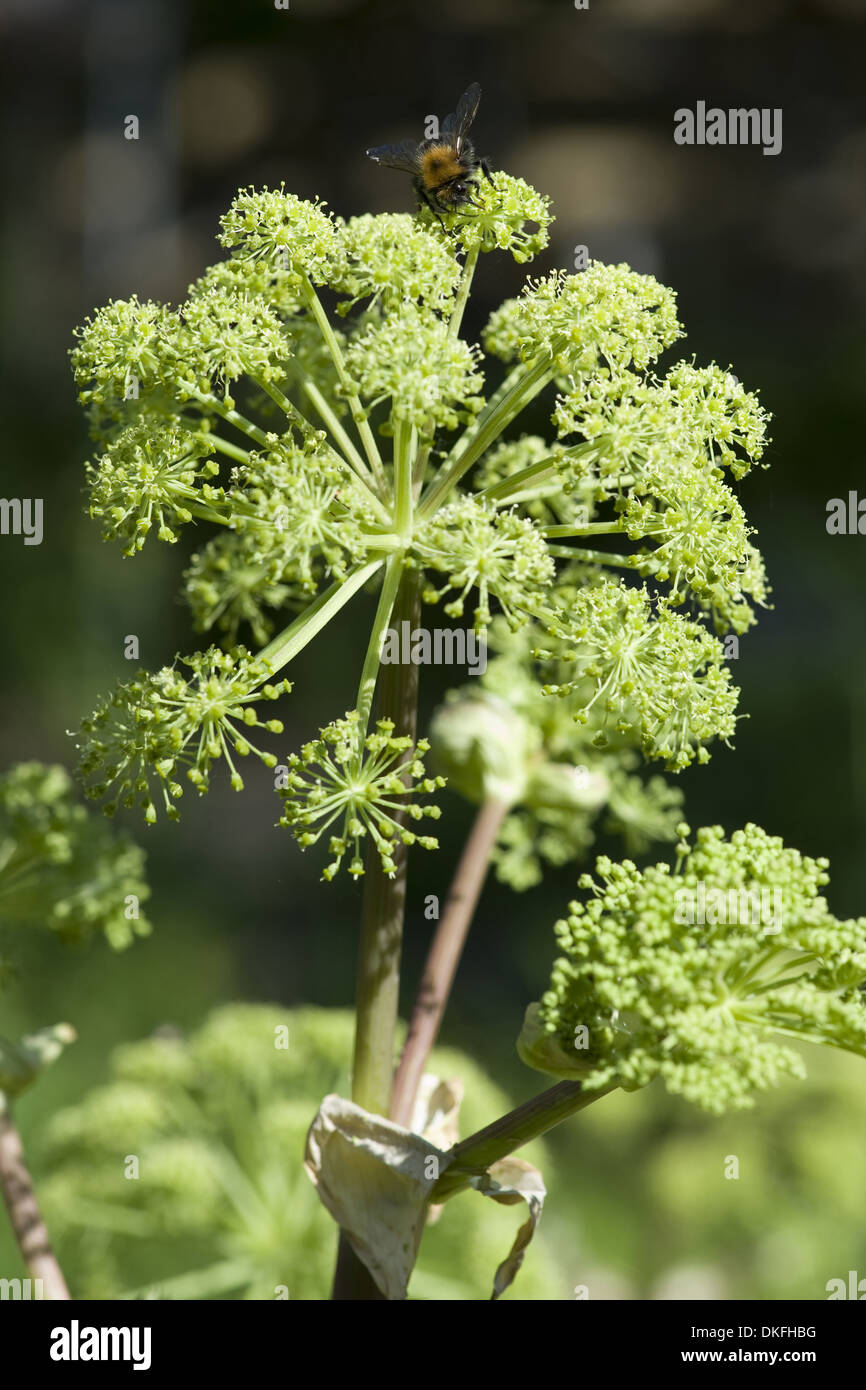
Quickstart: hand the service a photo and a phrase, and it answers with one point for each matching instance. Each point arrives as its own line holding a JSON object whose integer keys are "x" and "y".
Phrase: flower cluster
{"x": 61, "y": 867}
{"x": 290, "y": 232}
{"x": 159, "y": 723}
{"x": 241, "y": 577}
{"x": 120, "y": 347}
{"x": 650, "y": 985}
{"x": 307, "y": 504}
{"x": 392, "y": 259}
{"x": 702, "y": 545}
{"x": 651, "y": 673}
{"x": 658, "y": 448}
{"x": 692, "y": 415}
{"x": 250, "y": 369}
{"x": 505, "y": 215}
{"x": 362, "y": 784}
{"x": 727, "y": 420}
{"x": 267, "y": 280}
{"x": 152, "y": 476}
{"x": 295, "y": 519}
{"x": 412, "y": 360}
{"x": 143, "y": 360}
{"x": 499, "y": 554}
{"x": 605, "y": 316}
{"x": 227, "y": 334}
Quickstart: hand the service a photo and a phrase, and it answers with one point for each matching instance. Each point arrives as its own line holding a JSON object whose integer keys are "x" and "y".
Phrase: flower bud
{"x": 562, "y": 786}
{"x": 483, "y": 746}
{"x": 542, "y": 1050}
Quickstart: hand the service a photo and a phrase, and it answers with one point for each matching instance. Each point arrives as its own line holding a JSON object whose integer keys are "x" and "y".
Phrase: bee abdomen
{"x": 440, "y": 164}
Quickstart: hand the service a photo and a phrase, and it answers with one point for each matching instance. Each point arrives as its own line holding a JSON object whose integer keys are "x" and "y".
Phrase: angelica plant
{"x": 314, "y": 405}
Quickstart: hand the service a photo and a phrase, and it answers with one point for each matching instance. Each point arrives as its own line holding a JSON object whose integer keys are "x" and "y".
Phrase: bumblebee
{"x": 443, "y": 170}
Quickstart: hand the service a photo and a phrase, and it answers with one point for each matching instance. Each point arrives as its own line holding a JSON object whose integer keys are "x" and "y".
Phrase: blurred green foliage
{"x": 766, "y": 1204}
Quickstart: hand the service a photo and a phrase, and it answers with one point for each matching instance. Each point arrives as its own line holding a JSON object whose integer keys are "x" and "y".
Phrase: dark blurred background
{"x": 767, "y": 255}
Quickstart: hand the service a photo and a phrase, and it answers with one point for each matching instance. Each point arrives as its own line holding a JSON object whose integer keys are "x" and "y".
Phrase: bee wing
{"x": 455, "y": 126}
{"x": 403, "y": 155}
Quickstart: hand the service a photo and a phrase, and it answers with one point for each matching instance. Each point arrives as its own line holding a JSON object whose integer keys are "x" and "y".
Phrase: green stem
{"x": 463, "y": 289}
{"x": 420, "y": 468}
{"x": 591, "y": 557}
{"x": 384, "y": 898}
{"x": 381, "y": 941}
{"x": 291, "y": 412}
{"x": 332, "y": 422}
{"x": 534, "y": 473}
{"x": 404, "y": 436}
{"x": 307, "y": 431}
{"x": 362, "y": 424}
{"x": 223, "y": 446}
{"x": 386, "y": 541}
{"x": 454, "y": 324}
{"x": 474, "y": 1155}
{"x": 230, "y": 415}
{"x": 591, "y": 528}
{"x": 202, "y": 512}
{"x": 295, "y": 637}
{"x": 372, "y": 659}
{"x": 520, "y": 387}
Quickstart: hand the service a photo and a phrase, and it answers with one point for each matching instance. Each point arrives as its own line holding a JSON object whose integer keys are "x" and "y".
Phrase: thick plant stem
{"x": 384, "y": 899}
{"x": 443, "y": 958}
{"x": 352, "y": 1278}
{"x": 475, "y": 1154}
{"x": 381, "y": 941}
{"x": 24, "y": 1214}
